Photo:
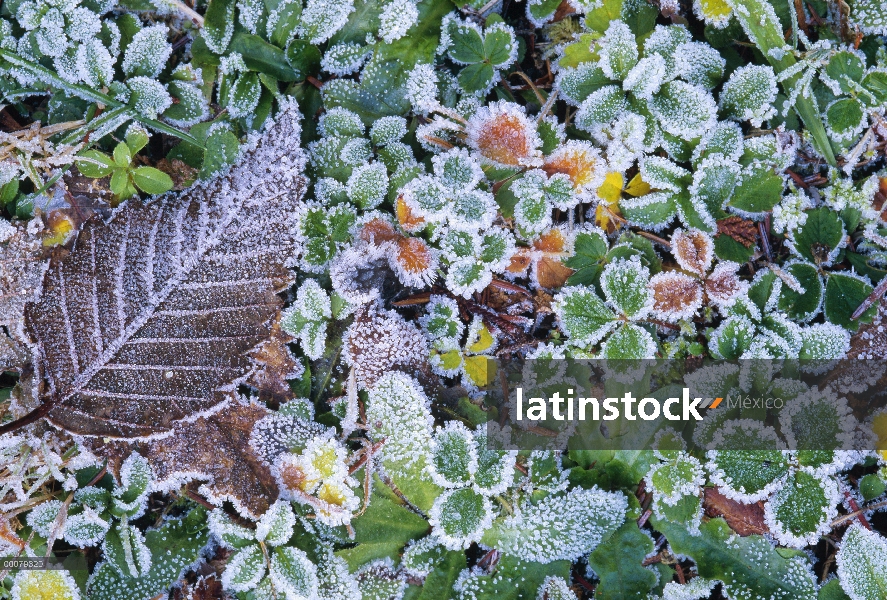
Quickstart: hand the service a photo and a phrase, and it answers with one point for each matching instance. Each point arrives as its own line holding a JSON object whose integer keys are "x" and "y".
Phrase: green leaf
{"x": 439, "y": 583}
{"x": 383, "y": 530}
{"x": 871, "y": 486}
{"x": 845, "y": 118}
{"x": 748, "y": 567}
{"x": 291, "y": 570}
{"x": 303, "y": 57}
{"x": 819, "y": 236}
{"x": 625, "y": 286}
{"x": 759, "y": 190}
{"x": 174, "y": 546}
{"x": 802, "y": 306}
{"x": 590, "y": 247}
{"x": 218, "y": 24}
{"x": 93, "y": 163}
{"x": 845, "y": 67}
{"x": 618, "y": 564}
{"x": 151, "y": 181}
{"x": 221, "y": 151}
{"x": 583, "y": 316}
{"x": 726, "y": 248}
{"x": 476, "y": 77}
{"x": 832, "y": 591}
{"x": 862, "y": 563}
{"x": 801, "y": 509}
{"x": 120, "y": 185}
{"x": 513, "y": 579}
{"x": 263, "y": 57}
{"x": 289, "y": 13}
{"x": 875, "y": 82}
{"x": 136, "y": 139}
{"x": 843, "y": 295}
{"x": 497, "y": 46}
{"x": 467, "y": 45}
{"x": 124, "y": 547}
{"x": 122, "y": 155}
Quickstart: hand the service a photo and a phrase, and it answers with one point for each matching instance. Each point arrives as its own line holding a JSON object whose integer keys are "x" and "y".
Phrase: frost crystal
{"x": 147, "y": 53}
{"x": 562, "y": 527}
{"x": 862, "y": 563}
{"x": 396, "y": 19}
{"x": 504, "y": 136}
{"x": 321, "y": 19}
{"x": 421, "y": 88}
{"x": 345, "y": 59}
{"x": 750, "y": 93}
{"x": 381, "y": 341}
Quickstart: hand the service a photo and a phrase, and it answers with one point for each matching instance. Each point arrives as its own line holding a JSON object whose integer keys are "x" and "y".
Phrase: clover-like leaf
{"x": 802, "y": 509}
{"x": 625, "y": 286}
{"x": 460, "y": 517}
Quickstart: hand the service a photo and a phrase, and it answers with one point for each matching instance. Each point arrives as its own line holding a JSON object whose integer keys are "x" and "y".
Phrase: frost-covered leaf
{"x": 174, "y": 546}
{"x": 149, "y": 320}
{"x": 629, "y": 342}
{"x": 383, "y": 530}
{"x": 750, "y": 93}
{"x": 845, "y": 119}
{"x": 244, "y": 569}
{"x": 747, "y": 474}
{"x": 759, "y": 190}
{"x": 618, "y": 563}
{"x": 293, "y": 573}
{"x": 748, "y": 567}
{"x": 583, "y": 316}
{"x": 619, "y": 51}
{"x": 124, "y": 547}
{"x": 560, "y": 527}
{"x": 276, "y": 525}
{"x": 693, "y": 249}
{"x": 802, "y": 509}
{"x": 625, "y": 286}
{"x": 453, "y": 455}
{"x": 460, "y": 517}
{"x": 862, "y": 563}
{"x": 843, "y": 295}
{"x": 684, "y": 110}
{"x": 21, "y": 271}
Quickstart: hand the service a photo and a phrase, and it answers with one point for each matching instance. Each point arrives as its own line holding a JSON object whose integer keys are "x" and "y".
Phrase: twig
{"x": 857, "y": 513}
{"x": 876, "y": 294}
{"x": 187, "y": 11}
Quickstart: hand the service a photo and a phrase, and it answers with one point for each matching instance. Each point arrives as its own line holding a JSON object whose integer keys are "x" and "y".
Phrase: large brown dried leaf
{"x": 149, "y": 321}
{"x": 22, "y": 263}
{"x": 217, "y": 449}
{"x": 214, "y": 451}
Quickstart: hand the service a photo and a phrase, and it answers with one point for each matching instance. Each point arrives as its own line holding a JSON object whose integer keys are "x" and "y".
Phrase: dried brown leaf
{"x": 151, "y": 318}
{"x": 744, "y": 232}
{"x": 23, "y": 260}
{"x": 744, "y": 519}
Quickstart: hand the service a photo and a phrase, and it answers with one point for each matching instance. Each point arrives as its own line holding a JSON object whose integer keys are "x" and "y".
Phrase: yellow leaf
{"x": 611, "y": 190}
{"x": 484, "y": 341}
{"x": 450, "y": 360}
{"x": 637, "y": 186}
{"x": 714, "y": 10}
{"x": 59, "y": 230}
{"x": 879, "y": 427}
{"x": 607, "y": 217}
{"x": 480, "y": 370}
